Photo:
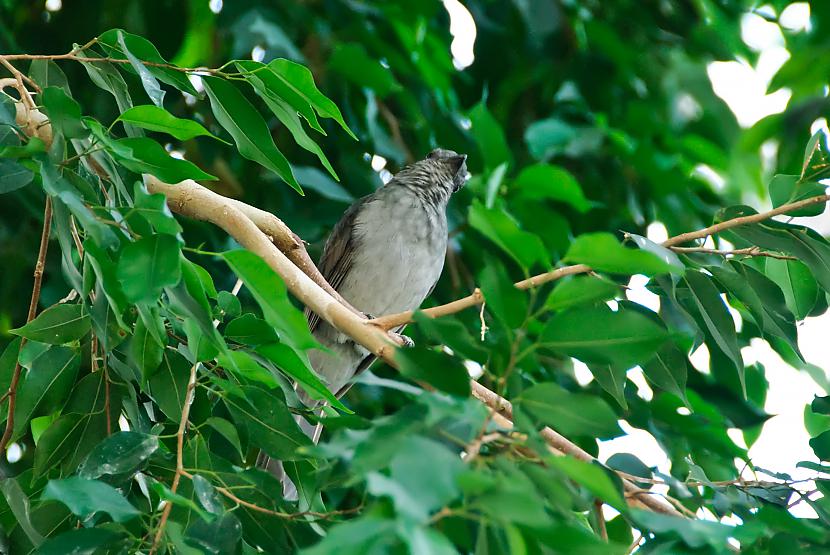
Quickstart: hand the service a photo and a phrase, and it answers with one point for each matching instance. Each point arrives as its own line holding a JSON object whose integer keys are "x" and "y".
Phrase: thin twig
{"x": 601, "y": 528}
{"x": 749, "y": 251}
{"x": 33, "y": 302}
{"x": 168, "y": 506}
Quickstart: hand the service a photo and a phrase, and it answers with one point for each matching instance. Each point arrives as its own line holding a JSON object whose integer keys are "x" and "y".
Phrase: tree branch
{"x": 33, "y": 302}
{"x": 168, "y": 506}
{"x": 749, "y": 251}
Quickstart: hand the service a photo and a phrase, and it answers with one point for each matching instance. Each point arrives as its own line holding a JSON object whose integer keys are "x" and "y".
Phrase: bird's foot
{"x": 402, "y": 340}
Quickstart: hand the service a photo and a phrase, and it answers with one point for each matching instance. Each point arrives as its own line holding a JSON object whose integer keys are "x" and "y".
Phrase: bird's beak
{"x": 460, "y": 173}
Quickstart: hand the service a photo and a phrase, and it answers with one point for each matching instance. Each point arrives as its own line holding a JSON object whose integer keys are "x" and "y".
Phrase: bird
{"x": 384, "y": 256}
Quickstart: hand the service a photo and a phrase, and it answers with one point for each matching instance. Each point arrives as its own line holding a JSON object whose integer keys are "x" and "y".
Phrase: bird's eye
{"x": 436, "y": 153}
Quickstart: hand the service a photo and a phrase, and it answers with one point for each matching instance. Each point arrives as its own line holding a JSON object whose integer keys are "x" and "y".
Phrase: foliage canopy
{"x": 144, "y": 386}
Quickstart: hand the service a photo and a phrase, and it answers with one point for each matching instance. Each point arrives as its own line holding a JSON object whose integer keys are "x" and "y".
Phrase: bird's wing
{"x": 338, "y": 253}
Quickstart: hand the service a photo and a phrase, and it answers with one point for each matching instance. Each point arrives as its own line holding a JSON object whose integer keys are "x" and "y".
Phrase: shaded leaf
{"x": 570, "y": 413}
{"x": 543, "y": 181}
{"x": 57, "y": 324}
{"x": 438, "y": 369}
{"x": 85, "y": 497}
{"x": 147, "y": 266}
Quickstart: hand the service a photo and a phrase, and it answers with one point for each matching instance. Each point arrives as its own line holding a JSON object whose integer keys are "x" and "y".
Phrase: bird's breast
{"x": 399, "y": 256}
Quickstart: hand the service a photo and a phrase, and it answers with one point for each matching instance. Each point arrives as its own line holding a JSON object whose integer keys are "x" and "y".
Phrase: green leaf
{"x": 226, "y": 430}
{"x": 666, "y": 255}
{"x": 579, "y": 290}
{"x": 573, "y": 414}
{"x": 13, "y": 176}
{"x": 105, "y": 76}
{"x": 503, "y": 299}
{"x": 816, "y": 163}
{"x": 796, "y": 281}
{"x": 270, "y": 292}
{"x": 19, "y": 505}
{"x": 154, "y": 118}
{"x": 602, "y": 252}
{"x": 143, "y": 155}
{"x": 85, "y": 497}
{"x": 417, "y": 489}
{"x": 805, "y": 244}
{"x": 84, "y": 541}
{"x": 716, "y": 319}
{"x": 154, "y": 209}
{"x": 762, "y": 297}
{"x": 668, "y": 370}
{"x": 57, "y": 324}
{"x": 611, "y": 378}
{"x": 695, "y": 533}
{"x": 46, "y": 386}
{"x": 147, "y": 266}
{"x": 250, "y": 330}
{"x": 57, "y": 441}
{"x": 144, "y": 50}
{"x": 64, "y": 113}
{"x": 490, "y": 137}
{"x": 543, "y": 181}
{"x": 287, "y": 360}
{"x": 248, "y": 129}
{"x": 437, "y": 368}
{"x": 289, "y": 118}
{"x": 314, "y": 179}
{"x": 121, "y": 454}
{"x": 268, "y": 420}
{"x": 221, "y": 535}
{"x": 599, "y": 335}
{"x": 525, "y": 247}
{"x": 593, "y": 477}
{"x": 821, "y": 445}
{"x": 353, "y": 62}
{"x": 150, "y": 83}
{"x": 784, "y": 189}
{"x": 145, "y": 350}
{"x": 168, "y": 387}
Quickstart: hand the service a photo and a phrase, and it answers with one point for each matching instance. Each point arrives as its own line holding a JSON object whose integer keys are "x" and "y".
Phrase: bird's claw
{"x": 402, "y": 340}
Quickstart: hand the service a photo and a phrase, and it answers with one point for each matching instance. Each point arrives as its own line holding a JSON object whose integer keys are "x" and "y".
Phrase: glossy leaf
{"x": 543, "y": 181}
{"x": 438, "y": 369}
{"x": 143, "y": 155}
{"x": 122, "y": 453}
{"x": 154, "y": 118}
{"x": 13, "y": 176}
{"x": 147, "y": 266}
{"x": 572, "y": 414}
{"x": 600, "y": 335}
{"x": 579, "y": 290}
{"x": 85, "y": 497}
{"x": 46, "y": 386}
{"x": 602, "y": 252}
{"x": 526, "y": 248}
{"x": 248, "y": 129}
{"x": 784, "y": 189}
{"x": 795, "y": 280}
{"x": 57, "y": 324}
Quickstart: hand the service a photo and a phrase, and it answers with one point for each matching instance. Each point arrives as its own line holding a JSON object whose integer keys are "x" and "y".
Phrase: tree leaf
{"x": 543, "y": 181}
{"x": 121, "y": 454}
{"x": 147, "y": 266}
{"x": 144, "y": 50}
{"x": 60, "y": 323}
{"x": 488, "y": 133}
{"x": 57, "y": 441}
{"x": 85, "y": 497}
{"x": 599, "y": 335}
{"x": 593, "y": 477}
{"x": 46, "y": 386}
{"x": 579, "y": 290}
{"x": 248, "y": 129}
{"x": 525, "y": 247}
{"x": 602, "y": 252}
{"x": 13, "y": 176}
{"x": 504, "y": 300}
{"x": 83, "y": 541}
{"x": 437, "y": 368}
{"x": 145, "y": 350}
{"x": 611, "y": 378}
{"x": 269, "y": 423}
{"x": 784, "y": 189}
{"x": 155, "y": 118}
{"x": 150, "y": 84}
{"x": 573, "y": 414}
{"x": 168, "y": 387}
{"x": 270, "y": 292}
{"x": 716, "y": 319}
{"x": 286, "y": 359}
{"x": 143, "y": 155}
{"x": 226, "y": 430}
{"x": 797, "y": 282}
{"x": 353, "y": 62}
{"x": 64, "y": 112}
{"x": 668, "y": 370}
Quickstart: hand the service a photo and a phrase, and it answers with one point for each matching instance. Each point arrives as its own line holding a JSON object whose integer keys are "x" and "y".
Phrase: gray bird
{"x": 384, "y": 256}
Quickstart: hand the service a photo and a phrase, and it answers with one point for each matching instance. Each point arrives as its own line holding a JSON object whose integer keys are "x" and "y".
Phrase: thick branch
{"x": 181, "y": 199}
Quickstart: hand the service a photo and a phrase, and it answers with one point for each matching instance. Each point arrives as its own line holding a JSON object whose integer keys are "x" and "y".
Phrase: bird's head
{"x": 442, "y": 170}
